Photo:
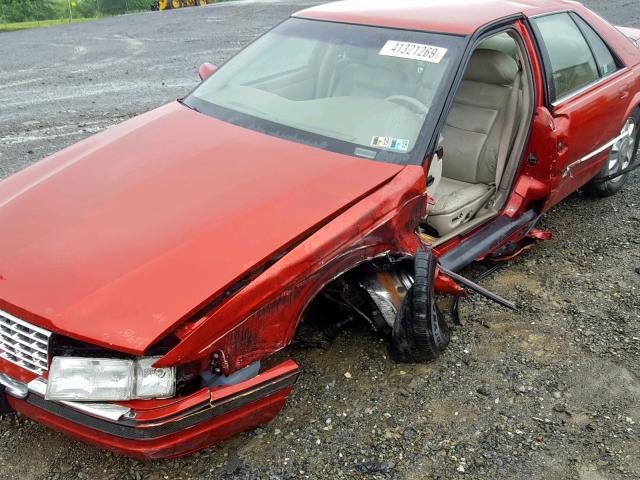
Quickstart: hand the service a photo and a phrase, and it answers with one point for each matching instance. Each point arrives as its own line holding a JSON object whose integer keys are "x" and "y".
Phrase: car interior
{"x": 480, "y": 136}
{"x": 356, "y": 72}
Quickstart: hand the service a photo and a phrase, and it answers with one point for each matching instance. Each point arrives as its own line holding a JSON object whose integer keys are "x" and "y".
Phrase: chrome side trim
{"x": 108, "y": 411}
{"x": 13, "y": 387}
{"x": 589, "y": 156}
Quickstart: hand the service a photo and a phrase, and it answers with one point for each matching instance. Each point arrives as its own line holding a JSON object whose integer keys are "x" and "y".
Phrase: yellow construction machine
{"x": 170, "y": 4}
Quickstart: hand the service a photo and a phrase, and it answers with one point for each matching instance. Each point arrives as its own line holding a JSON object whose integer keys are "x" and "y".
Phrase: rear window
{"x": 604, "y": 58}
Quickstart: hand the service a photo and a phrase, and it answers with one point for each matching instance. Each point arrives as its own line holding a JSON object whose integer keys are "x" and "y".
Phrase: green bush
{"x": 25, "y": 10}
{"x": 29, "y": 10}
{"x": 92, "y": 8}
{"x": 87, "y": 8}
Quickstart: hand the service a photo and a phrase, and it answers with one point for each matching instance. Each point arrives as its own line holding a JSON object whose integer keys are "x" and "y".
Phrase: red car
{"x": 350, "y": 161}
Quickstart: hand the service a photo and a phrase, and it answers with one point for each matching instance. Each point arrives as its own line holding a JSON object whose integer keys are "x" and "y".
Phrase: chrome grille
{"x": 24, "y": 344}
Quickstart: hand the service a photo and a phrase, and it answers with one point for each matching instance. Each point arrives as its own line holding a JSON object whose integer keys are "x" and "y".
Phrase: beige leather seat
{"x": 471, "y": 139}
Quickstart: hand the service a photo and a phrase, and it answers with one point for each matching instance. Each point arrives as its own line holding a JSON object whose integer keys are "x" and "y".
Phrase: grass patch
{"x": 11, "y": 27}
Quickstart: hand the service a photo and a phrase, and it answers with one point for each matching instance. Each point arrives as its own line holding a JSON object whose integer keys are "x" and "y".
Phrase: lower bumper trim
{"x": 132, "y": 430}
{"x": 170, "y": 431}
{"x": 108, "y": 411}
{"x": 13, "y": 387}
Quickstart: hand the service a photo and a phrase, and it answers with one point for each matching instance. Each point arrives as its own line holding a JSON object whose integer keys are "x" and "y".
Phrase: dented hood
{"x": 116, "y": 239}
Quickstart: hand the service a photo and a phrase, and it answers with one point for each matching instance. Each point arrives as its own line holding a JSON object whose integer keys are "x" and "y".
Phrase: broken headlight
{"x": 105, "y": 379}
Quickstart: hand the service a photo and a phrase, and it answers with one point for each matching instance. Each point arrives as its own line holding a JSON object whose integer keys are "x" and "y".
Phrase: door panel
{"x": 588, "y": 95}
{"x": 585, "y": 124}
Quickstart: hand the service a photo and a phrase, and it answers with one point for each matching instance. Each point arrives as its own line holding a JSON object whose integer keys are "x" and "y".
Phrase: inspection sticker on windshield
{"x": 397, "y": 144}
{"x": 414, "y": 51}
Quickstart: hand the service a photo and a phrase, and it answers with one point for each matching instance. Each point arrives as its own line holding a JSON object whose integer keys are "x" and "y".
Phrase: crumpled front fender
{"x": 261, "y": 318}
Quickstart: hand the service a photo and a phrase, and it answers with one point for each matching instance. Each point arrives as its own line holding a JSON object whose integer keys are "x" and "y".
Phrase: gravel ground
{"x": 551, "y": 391}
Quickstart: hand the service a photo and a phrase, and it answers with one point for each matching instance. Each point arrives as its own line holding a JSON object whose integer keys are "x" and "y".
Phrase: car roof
{"x": 449, "y": 16}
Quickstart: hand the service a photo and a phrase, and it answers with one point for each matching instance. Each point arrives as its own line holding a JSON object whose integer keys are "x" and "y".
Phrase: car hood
{"x": 118, "y": 238}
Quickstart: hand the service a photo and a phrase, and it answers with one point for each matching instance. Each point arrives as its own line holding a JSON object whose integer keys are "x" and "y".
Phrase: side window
{"x": 572, "y": 63}
{"x": 604, "y": 58}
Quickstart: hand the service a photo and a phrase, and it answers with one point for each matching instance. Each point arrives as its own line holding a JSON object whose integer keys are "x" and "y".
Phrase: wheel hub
{"x": 622, "y": 151}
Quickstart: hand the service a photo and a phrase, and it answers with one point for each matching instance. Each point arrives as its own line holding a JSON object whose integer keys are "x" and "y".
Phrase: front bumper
{"x": 151, "y": 430}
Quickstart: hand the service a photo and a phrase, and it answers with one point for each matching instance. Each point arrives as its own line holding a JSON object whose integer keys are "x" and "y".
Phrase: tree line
{"x": 31, "y": 10}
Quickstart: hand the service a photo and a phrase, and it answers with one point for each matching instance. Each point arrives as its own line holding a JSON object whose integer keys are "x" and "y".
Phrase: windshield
{"x": 360, "y": 90}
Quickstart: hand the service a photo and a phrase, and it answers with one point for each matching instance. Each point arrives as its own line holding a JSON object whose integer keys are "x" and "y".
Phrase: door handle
{"x": 624, "y": 94}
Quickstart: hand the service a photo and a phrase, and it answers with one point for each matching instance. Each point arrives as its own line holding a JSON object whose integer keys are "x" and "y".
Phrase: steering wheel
{"x": 409, "y": 102}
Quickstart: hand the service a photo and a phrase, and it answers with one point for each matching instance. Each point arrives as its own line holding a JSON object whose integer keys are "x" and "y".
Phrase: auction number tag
{"x": 414, "y": 51}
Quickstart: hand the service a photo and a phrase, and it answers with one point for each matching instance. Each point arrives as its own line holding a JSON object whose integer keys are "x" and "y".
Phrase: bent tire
{"x": 420, "y": 333}
{"x": 622, "y": 156}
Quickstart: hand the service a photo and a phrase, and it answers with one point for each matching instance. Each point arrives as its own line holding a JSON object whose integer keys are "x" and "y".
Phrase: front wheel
{"x": 420, "y": 333}
{"x": 622, "y": 156}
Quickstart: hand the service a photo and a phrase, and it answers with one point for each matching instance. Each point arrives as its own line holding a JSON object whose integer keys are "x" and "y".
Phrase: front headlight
{"x": 104, "y": 379}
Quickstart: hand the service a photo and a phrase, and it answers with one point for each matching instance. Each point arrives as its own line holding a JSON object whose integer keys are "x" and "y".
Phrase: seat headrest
{"x": 491, "y": 66}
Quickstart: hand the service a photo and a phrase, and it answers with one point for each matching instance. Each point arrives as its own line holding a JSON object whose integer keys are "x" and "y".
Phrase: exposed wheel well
{"x": 350, "y": 298}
